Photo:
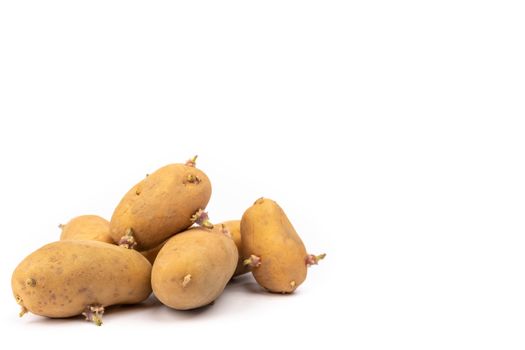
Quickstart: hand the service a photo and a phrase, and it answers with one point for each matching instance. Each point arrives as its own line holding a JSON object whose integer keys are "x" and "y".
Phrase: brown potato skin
{"x": 210, "y": 257}
{"x": 87, "y": 227}
{"x": 70, "y": 275}
{"x": 234, "y": 227}
{"x": 267, "y": 233}
{"x": 151, "y": 254}
{"x": 161, "y": 205}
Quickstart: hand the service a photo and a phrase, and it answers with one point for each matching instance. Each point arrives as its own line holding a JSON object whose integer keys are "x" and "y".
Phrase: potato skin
{"x": 151, "y": 254}
{"x": 267, "y": 233}
{"x": 234, "y": 227}
{"x": 161, "y": 205}
{"x": 87, "y": 227}
{"x": 208, "y": 257}
{"x": 62, "y": 278}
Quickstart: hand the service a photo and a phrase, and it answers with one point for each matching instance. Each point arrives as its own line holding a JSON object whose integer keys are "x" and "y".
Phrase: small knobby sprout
{"x": 128, "y": 241}
{"x": 314, "y": 259}
{"x": 201, "y": 218}
{"x": 61, "y": 226}
{"x": 93, "y": 313}
{"x": 186, "y": 280}
{"x": 225, "y": 231}
{"x": 23, "y": 309}
{"x": 252, "y": 261}
{"x": 292, "y": 284}
{"x": 193, "y": 179}
{"x": 192, "y": 162}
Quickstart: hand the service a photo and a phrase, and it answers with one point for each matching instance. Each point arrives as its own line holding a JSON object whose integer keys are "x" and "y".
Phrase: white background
{"x": 391, "y": 132}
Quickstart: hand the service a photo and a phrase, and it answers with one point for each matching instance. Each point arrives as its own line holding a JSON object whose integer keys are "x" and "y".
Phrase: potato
{"x": 193, "y": 268}
{"x": 67, "y": 278}
{"x": 233, "y": 227}
{"x": 87, "y": 227}
{"x": 272, "y": 248}
{"x": 151, "y": 254}
{"x": 166, "y": 202}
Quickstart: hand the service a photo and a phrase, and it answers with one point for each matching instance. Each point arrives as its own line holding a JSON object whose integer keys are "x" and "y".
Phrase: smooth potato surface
{"x": 234, "y": 228}
{"x": 193, "y": 268}
{"x": 62, "y": 278}
{"x": 268, "y": 234}
{"x": 151, "y": 254}
{"x": 161, "y": 205}
{"x": 87, "y": 227}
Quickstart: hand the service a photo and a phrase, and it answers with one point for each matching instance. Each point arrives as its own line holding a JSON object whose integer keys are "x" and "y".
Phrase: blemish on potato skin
{"x": 30, "y": 282}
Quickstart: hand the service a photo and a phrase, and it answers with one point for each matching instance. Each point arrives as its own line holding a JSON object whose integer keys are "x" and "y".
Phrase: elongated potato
{"x": 67, "y": 278}
{"x": 87, "y": 227}
{"x": 233, "y": 227}
{"x": 193, "y": 268}
{"x": 166, "y": 202}
{"x": 273, "y": 249}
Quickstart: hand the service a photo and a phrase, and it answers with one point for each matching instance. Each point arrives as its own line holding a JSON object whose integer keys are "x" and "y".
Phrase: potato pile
{"x": 160, "y": 239}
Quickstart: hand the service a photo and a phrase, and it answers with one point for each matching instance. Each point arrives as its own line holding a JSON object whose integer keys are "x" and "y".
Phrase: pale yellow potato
{"x": 65, "y": 278}
{"x": 193, "y": 268}
{"x": 268, "y": 235}
{"x": 161, "y": 205}
{"x": 87, "y": 227}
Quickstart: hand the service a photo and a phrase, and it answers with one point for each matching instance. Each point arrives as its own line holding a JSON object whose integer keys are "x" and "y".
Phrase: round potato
{"x": 67, "y": 278}
{"x": 87, "y": 227}
{"x": 193, "y": 268}
{"x": 166, "y": 202}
